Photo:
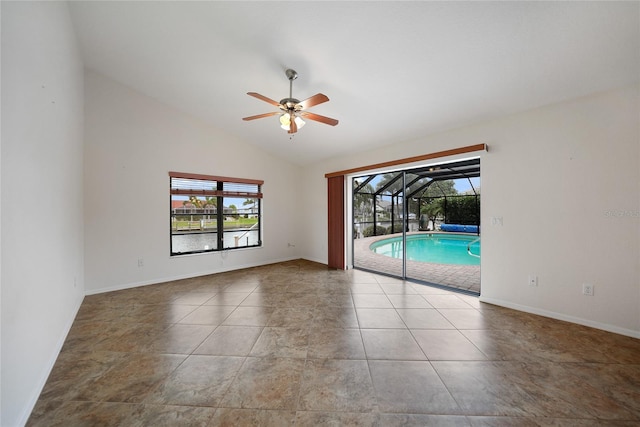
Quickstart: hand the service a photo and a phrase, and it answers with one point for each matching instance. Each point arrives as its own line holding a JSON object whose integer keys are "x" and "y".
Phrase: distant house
{"x": 249, "y": 209}
{"x": 383, "y": 206}
{"x": 184, "y": 207}
{"x": 177, "y": 204}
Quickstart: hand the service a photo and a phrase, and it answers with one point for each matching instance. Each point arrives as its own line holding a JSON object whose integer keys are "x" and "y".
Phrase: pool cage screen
{"x": 428, "y": 200}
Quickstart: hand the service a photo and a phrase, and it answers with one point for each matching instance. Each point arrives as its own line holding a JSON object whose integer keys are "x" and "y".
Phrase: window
{"x": 213, "y": 213}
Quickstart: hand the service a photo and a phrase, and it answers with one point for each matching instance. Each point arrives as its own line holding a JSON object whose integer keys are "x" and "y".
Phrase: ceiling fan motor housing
{"x": 289, "y": 104}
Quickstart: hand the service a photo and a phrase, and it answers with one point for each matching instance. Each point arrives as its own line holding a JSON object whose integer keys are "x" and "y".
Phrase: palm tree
{"x": 212, "y": 201}
{"x": 433, "y": 209}
{"x": 195, "y": 202}
{"x": 386, "y": 179}
{"x": 363, "y": 202}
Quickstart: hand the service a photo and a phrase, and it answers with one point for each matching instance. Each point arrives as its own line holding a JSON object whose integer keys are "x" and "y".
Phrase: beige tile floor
{"x": 297, "y": 344}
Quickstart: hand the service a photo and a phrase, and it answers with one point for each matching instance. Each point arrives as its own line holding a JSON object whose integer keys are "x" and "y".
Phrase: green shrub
{"x": 397, "y": 228}
{"x": 368, "y": 232}
{"x": 462, "y": 210}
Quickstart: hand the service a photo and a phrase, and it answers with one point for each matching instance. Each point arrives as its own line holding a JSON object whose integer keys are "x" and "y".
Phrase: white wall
{"x": 554, "y": 174}
{"x": 132, "y": 142}
{"x": 42, "y": 218}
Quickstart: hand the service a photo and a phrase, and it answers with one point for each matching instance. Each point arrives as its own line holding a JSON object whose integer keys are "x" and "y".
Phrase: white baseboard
{"x": 319, "y": 261}
{"x": 46, "y": 371}
{"x": 184, "y": 276}
{"x": 560, "y": 316}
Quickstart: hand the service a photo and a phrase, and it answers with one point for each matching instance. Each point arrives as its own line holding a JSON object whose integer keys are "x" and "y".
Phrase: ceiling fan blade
{"x": 293, "y": 127}
{"x": 316, "y": 99}
{"x": 259, "y": 116}
{"x": 264, "y": 98}
{"x": 319, "y": 118}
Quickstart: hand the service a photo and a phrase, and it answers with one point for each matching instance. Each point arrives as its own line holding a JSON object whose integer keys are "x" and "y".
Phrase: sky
{"x": 461, "y": 185}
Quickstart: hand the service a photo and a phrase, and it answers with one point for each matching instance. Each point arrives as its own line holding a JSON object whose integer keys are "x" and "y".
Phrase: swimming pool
{"x": 432, "y": 247}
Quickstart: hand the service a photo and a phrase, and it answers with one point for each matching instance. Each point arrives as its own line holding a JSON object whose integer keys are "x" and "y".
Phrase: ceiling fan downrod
{"x": 290, "y": 102}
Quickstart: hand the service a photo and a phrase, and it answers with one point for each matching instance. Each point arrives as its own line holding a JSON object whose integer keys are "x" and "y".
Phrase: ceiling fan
{"x": 292, "y": 110}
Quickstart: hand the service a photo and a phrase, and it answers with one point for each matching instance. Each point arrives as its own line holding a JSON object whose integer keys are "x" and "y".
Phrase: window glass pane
{"x": 193, "y": 224}
{"x": 241, "y": 222}
{"x": 202, "y": 216}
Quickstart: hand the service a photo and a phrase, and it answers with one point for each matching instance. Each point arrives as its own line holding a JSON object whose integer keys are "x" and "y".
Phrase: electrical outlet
{"x": 533, "y": 280}
{"x": 587, "y": 289}
{"x": 140, "y": 262}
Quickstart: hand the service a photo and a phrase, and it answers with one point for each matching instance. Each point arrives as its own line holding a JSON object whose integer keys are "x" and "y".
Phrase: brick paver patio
{"x": 466, "y": 277}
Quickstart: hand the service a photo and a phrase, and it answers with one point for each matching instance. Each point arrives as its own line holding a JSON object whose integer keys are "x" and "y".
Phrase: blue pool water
{"x": 434, "y": 248}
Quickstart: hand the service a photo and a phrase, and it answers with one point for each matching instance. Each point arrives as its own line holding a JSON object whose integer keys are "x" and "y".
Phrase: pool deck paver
{"x": 465, "y": 277}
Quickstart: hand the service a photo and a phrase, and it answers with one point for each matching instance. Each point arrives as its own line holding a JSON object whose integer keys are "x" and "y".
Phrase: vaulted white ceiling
{"x": 394, "y": 71}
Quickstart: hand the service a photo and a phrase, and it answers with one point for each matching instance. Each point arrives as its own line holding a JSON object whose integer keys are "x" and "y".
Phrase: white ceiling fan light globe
{"x": 285, "y": 121}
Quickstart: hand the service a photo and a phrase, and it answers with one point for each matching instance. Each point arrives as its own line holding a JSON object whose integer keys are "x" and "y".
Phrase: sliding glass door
{"x": 421, "y": 224}
{"x": 378, "y": 223}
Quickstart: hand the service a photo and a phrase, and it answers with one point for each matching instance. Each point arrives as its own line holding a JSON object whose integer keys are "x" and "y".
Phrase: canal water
{"x": 206, "y": 241}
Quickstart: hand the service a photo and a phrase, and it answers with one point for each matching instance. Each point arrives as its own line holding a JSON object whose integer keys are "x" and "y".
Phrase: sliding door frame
{"x": 337, "y": 208}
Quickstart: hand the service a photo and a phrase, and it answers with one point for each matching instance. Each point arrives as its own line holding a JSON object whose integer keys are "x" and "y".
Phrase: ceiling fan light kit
{"x": 285, "y": 121}
{"x": 291, "y": 109}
